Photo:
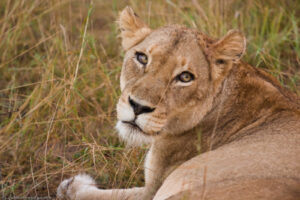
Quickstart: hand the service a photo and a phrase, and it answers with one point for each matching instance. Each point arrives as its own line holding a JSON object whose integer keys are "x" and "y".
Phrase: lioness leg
{"x": 83, "y": 187}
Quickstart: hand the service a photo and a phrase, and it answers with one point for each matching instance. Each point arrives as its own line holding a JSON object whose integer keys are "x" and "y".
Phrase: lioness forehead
{"x": 171, "y": 38}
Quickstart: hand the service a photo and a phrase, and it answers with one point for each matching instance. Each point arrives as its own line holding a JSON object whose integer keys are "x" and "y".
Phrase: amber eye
{"x": 185, "y": 77}
{"x": 142, "y": 58}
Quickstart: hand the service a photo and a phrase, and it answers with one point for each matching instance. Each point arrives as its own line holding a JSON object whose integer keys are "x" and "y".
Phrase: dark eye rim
{"x": 137, "y": 54}
{"x": 220, "y": 61}
{"x": 179, "y": 79}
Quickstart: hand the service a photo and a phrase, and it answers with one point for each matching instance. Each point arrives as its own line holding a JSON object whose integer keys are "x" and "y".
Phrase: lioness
{"x": 182, "y": 90}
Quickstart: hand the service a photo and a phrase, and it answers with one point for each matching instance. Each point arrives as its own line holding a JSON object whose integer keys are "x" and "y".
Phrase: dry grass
{"x": 60, "y": 62}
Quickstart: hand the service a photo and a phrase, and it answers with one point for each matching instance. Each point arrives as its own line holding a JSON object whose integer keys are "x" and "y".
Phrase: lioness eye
{"x": 142, "y": 58}
{"x": 185, "y": 77}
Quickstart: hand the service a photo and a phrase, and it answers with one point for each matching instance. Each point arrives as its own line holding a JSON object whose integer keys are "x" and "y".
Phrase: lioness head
{"x": 169, "y": 77}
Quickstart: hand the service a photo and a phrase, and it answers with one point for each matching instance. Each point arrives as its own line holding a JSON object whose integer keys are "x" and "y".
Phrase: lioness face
{"x": 162, "y": 82}
{"x": 166, "y": 80}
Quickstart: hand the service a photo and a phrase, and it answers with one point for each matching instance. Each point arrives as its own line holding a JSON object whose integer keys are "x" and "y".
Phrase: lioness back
{"x": 261, "y": 166}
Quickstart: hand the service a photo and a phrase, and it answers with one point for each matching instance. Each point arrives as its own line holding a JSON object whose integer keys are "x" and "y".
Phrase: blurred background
{"x": 60, "y": 62}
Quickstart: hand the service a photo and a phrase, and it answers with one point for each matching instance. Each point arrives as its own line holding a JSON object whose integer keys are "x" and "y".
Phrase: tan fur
{"x": 246, "y": 125}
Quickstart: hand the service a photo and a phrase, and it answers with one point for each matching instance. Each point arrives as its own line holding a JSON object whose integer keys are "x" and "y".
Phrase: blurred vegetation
{"x": 60, "y": 62}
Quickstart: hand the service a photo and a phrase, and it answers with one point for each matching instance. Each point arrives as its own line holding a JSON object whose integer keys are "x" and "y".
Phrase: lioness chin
{"x": 178, "y": 84}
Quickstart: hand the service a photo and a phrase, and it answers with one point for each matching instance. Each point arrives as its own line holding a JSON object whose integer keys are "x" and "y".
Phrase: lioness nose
{"x": 138, "y": 108}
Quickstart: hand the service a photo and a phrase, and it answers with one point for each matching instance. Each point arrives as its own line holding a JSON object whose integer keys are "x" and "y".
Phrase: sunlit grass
{"x": 60, "y": 62}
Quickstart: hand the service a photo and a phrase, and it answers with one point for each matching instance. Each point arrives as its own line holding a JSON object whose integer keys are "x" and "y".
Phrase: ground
{"x": 60, "y": 62}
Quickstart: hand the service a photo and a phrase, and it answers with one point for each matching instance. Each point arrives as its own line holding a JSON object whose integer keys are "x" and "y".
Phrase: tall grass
{"x": 60, "y": 62}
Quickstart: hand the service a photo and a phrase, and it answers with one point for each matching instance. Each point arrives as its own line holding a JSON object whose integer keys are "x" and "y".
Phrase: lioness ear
{"x": 133, "y": 29}
{"x": 231, "y": 47}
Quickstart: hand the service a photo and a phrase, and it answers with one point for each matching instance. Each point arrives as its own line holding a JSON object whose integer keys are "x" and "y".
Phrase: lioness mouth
{"x": 132, "y": 124}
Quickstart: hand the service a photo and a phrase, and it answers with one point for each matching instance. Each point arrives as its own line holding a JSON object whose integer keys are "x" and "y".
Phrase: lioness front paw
{"x": 69, "y": 188}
